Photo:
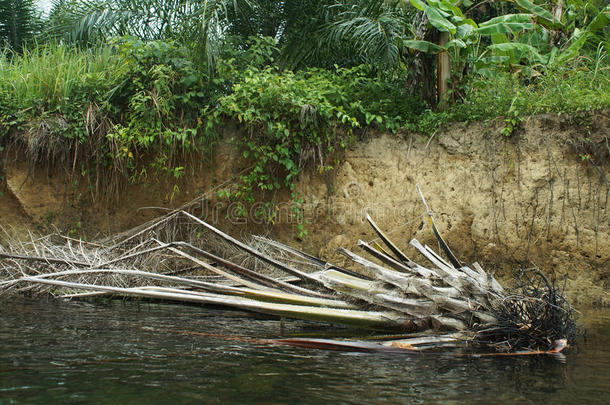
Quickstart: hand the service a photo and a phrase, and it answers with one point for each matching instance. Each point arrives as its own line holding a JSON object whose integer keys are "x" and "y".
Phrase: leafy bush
{"x": 157, "y": 108}
{"x": 130, "y": 106}
{"x": 292, "y": 119}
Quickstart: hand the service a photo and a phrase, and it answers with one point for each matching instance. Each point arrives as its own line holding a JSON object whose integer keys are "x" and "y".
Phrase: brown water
{"x": 67, "y": 352}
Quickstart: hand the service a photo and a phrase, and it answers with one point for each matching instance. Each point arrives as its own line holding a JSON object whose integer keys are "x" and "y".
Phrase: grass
{"x": 102, "y": 105}
{"x": 582, "y": 86}
{"x": 57, "y": 77}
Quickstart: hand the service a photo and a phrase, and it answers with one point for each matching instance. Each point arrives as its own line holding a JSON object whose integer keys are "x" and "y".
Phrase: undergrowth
{"x": 132, "y": 111}
{"x": 581, "y": 86}
{"x": 294, "y": 119}
{"x": 123, "y": 110}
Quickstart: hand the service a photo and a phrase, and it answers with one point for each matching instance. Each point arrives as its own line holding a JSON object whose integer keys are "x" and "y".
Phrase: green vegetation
{"x": 115, "y": 92}
{"x": 294, "y": 118}
{"x": 116, "y": 112}
{"x": 18, "y": 22}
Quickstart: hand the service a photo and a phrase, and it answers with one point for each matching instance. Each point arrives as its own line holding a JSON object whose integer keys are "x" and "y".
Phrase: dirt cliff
{"x": 536, "y": 198}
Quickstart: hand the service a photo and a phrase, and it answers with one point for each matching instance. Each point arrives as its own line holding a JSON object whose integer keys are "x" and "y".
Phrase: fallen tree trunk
{"x": 387, "y": 291}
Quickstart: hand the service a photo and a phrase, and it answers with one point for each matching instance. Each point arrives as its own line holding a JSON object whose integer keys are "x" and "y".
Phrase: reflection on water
{"x": 54, "y": 351}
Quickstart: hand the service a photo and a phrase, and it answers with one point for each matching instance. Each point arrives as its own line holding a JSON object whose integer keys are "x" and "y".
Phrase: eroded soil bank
{"x": 536, "y": 198}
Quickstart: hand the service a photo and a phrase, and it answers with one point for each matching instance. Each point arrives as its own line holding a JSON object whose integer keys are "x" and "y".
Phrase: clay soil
{"x": 538, "y": 198}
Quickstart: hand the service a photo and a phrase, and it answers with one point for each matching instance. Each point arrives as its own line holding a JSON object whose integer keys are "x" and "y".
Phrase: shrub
{"x": 292, "y": 119}
{"x": 130, "y": 107}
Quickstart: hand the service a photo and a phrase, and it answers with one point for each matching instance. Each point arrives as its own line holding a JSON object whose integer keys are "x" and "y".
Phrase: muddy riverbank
{"x": 536, "y": 198}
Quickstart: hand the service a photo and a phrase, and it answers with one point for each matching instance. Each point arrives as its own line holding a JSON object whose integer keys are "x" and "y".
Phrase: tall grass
{"x": 56, "y": 77}
{"x": 114, "y": 108}
{"x": 584, "y": 84}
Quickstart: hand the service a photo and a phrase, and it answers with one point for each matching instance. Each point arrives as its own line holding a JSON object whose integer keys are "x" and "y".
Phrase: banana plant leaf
{"x": 436, "y": 18}
{"x": 418, "y": 4}
{"x": 458, "y": 43}
{"x": 465, "y": 29}
{"x": 543, "y": 16}
{"x": 446, "y": 6}
{"x": 423, "y": 46}
{"x": 572, "y": 51}
{"x": 506, "y": 24}
{"x": 519, "y": 51}
{"x": 508, "y": 18}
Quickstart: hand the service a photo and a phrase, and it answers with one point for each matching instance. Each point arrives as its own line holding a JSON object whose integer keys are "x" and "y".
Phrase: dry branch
{"x": 388, "y": 291}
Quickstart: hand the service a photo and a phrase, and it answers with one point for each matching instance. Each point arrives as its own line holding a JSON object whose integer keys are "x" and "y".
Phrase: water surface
{"x": 70, "y": 352}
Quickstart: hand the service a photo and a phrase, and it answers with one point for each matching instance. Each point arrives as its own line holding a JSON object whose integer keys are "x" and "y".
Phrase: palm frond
{"x": 376, "y": 29}
{"x": 87, "y": 21}
{"x": 17, "y": 22}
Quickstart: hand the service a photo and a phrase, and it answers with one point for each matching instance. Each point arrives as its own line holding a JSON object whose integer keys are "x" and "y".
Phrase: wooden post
{"x": 444, "y": 72}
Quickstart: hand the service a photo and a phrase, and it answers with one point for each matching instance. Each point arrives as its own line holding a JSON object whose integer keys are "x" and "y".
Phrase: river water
{"x": 126, "y": 352}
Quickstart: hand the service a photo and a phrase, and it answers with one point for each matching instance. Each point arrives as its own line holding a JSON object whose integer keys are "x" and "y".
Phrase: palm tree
{"x": 17, "y": 23}
{"x": 90, "y": 21}
{"x": 203, "y": 23}
{"x": 378, "y": 32}
{"x": 376, "y": 28}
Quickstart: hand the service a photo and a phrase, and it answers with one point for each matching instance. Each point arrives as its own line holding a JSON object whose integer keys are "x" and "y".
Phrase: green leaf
{"x": 545, "y": 17}
{"x": 505, "y": 24}
{"x": 571, "y": 51}
{"x": 418, "y": 4}
{"x": 600, "y": 21}
{"x": 464, "y": 30}
{"x": 423, "y": 46}
{"x": 553, "y": 55}
{"x": 534, "y": 9}
{"x": 491, "y": 60}
{"x": 499, "y": 39}
{"x": 458, "y": 43}
{"x": 523, "y": 50}
{"x": 438, "y": 21}
{"x": 504, "y": 28}
{"x": 447, "y": 7}
{"x": 508, "y": 18}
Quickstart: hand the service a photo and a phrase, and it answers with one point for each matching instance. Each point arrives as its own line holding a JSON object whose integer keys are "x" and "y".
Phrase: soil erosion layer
{"x": 536, "y": 198}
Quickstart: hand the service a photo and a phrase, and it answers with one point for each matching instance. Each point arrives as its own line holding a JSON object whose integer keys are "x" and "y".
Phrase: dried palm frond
{"x": 180, "y": 257}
